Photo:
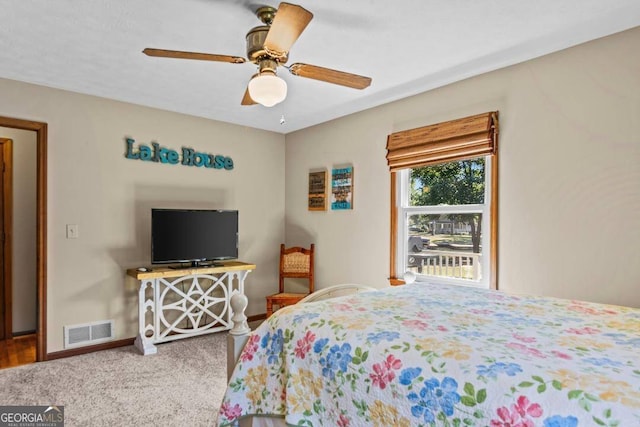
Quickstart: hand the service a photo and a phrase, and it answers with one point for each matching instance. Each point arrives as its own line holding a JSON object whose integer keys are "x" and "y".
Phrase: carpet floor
{"x": 182, "y": 385}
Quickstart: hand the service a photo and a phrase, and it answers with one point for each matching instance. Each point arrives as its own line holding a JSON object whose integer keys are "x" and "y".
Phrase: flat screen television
{"x": 199, "y": 237}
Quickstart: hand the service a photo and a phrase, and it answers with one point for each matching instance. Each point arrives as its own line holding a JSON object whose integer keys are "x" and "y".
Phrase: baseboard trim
{"x": 255, "y": 317}
{"x": 89, "y": 349}
{"x": 22, "y": 333}
{"x": 115, "y": 344}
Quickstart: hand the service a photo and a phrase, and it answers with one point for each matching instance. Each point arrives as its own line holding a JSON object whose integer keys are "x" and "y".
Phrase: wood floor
{"x": 18, "y": 351}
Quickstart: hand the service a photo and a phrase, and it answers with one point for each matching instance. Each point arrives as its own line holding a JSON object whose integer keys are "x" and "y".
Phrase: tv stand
{"x": 186, "y": 302}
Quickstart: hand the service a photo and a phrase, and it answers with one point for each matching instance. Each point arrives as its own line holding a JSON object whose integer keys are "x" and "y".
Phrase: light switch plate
{"x": 72, "y": 231}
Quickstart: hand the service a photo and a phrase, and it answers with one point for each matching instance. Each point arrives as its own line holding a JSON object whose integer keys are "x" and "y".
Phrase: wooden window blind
{"x": 458, "y": 139}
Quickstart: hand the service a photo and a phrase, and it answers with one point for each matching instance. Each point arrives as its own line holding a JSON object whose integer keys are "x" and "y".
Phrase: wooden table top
{"x": 165, "y": 271}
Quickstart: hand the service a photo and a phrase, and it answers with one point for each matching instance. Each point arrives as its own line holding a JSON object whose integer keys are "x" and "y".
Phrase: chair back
{"x": 296, "y": 262}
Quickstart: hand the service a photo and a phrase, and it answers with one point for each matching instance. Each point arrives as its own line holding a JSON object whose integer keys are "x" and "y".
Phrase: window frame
{"x": 404, "y": 210}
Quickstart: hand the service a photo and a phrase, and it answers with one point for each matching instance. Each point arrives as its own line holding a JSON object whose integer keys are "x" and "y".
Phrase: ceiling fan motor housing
{"x": 255, "y": 46}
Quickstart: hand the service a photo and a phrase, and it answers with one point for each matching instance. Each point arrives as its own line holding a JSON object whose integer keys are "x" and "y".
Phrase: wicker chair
{"x": 295, "y": 262}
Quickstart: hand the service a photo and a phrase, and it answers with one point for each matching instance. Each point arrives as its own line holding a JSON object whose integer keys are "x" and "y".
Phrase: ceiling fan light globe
{"x": 267, "y": 89}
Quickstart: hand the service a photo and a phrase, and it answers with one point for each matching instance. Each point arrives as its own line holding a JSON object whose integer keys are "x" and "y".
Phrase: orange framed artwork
{"x": 317, "y": 191}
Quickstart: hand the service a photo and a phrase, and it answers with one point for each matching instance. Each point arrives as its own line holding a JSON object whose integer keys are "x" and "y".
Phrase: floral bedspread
{"x": 441, "y": 355}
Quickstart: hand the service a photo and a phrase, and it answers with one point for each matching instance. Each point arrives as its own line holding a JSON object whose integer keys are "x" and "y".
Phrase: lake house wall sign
{"x": 187, "y": 156}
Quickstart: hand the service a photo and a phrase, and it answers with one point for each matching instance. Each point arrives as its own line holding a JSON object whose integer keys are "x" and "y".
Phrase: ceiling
{"x": 408, "y": 47}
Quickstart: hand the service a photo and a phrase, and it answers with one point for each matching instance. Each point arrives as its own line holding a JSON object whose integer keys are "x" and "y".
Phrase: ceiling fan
{"x": 268, "y": 47}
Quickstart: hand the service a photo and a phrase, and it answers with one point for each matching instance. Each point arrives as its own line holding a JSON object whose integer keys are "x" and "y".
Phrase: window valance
{"x": 458, "y": 139}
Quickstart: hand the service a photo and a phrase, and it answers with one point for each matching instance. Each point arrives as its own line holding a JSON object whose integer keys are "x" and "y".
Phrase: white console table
{"x": 181, "y": 303}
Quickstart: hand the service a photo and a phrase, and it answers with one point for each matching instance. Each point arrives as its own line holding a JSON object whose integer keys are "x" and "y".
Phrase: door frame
{"x": 7, "y": 231}
{"x": 40, "y": 128}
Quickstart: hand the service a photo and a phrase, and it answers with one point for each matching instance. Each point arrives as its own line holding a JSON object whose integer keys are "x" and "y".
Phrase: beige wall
{"x": 569, "y": 174}
{"x": 91, "y": 184}
{"x": 24, "y": 295}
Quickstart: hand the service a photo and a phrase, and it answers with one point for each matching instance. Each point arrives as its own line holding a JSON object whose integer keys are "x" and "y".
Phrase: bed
{"x": 440, "y": 355}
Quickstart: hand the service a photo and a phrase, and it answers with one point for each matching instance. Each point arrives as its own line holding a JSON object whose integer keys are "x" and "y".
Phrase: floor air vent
{"x": 88, "y": 333}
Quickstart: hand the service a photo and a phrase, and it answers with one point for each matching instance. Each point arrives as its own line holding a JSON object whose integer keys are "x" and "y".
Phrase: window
{"x": 442, "y": 215}
{"x": 444, "y": 202}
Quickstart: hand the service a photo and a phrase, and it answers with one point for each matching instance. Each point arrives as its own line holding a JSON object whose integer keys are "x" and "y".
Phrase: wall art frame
{"x": 317, "y": 200}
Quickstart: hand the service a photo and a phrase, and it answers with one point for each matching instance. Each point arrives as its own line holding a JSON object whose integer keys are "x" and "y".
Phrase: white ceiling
{"x": 407, "y": 47}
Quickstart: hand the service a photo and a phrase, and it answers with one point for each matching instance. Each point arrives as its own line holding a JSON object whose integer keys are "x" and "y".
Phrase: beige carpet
{"x": 182, "y": 385}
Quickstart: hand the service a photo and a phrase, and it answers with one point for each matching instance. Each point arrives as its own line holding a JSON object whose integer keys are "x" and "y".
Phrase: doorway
{"x": 6, "y": 209}
{"x": 41, "y": 231}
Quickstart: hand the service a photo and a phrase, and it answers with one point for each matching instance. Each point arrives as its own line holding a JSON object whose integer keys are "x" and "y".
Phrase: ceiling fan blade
{"x": 330, "y": 76}
{"x": 289, "y": 23}
{"x": 193, "y": 55}
{"x": 246, "y": 99}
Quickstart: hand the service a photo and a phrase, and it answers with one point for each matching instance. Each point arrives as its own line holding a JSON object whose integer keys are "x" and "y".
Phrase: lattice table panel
{"x": 186, "y": 305}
